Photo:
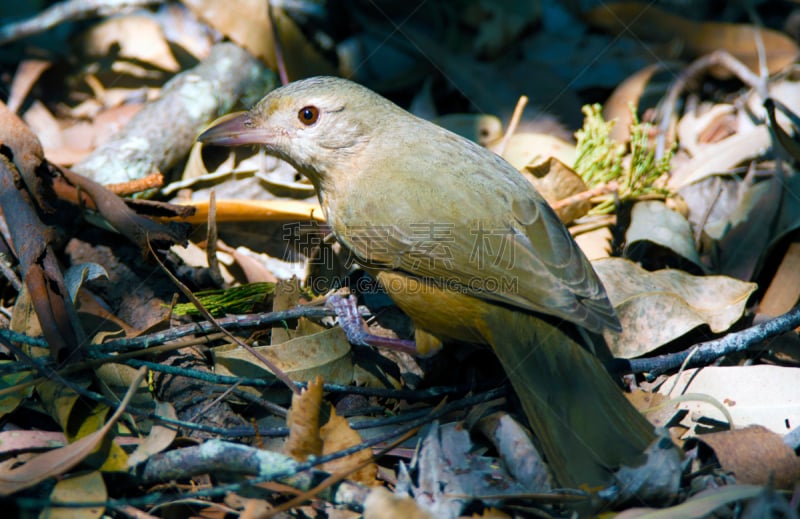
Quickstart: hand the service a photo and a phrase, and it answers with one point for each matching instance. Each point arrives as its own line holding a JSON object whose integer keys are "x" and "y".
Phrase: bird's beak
{"x": 235, "y": 129}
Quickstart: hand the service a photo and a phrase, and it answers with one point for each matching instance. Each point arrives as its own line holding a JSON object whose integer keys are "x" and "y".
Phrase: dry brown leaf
{"x": 784, "y": 289}
{"x": 382, "y": 504}
{"x": 81, "y": 488}
{"x": 252, "y": 32}
{"x": 44, "y": 125}
{"x": 657, "y": 307}
{"x": 655, "y": 224}
{"x": 617, "y": 106}
{"x": 338, "y": 435}
{"x": 595, "y": 244}
{"x": 695, "y": 124}
{"x": 650, "y": 23}
{"x": 755, "y": 455}
{"x": 720, "y": 157}
{"x": 300, "y": 56}
{"x": 557, "y": 181}
{"x": 303, "y": 421}
{"x": 287, "y": 295}
{"x": 58, "y": 461}
{"x": 160, "y": 436}
{"x": 257, "y": 211}
{"x": 136, "y": 38}
{"x": 28, "y": 72}
{"x": 529, "y": 149}
{"x": 248, "y": 263}
{"x": 326, "y": 354}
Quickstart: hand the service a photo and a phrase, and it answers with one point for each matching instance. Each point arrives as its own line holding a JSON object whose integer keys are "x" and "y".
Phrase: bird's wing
{"x": 521, "y": 256}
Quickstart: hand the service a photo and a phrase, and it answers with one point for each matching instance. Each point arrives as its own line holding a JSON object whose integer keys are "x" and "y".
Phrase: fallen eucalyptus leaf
{"x": 530, "y": 149}
{"x": 653, "y": 223}
{"x": 83, "y": 488}
{"x": 326, "y": 354}
{"x": 159, "y": 438}
{"x": 658, "y": 307}
{"x": 58, "y": 461}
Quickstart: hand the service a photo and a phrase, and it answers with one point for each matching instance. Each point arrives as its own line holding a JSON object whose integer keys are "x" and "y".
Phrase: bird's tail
{"x": 586, "y": 426}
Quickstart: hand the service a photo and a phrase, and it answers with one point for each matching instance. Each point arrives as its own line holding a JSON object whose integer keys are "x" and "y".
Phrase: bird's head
{"x": 317, "y": 124}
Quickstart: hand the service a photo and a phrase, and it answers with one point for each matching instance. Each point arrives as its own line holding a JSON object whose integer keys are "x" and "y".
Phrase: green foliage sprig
{"x": 601, "y": 160}
{"x": 236, "y": 300}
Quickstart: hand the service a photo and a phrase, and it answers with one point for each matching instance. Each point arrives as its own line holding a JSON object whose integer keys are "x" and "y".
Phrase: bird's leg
{"x": 354, "y": 327}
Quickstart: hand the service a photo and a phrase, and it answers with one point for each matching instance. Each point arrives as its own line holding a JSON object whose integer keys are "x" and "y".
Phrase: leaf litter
{"x": 699, "y": 240}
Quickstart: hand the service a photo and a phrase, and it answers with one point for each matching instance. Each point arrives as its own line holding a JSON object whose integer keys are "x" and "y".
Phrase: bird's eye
{"x": 308, "y": 115}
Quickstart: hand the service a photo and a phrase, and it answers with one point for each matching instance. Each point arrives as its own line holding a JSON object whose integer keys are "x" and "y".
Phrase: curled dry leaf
{"x": 253, "y": 32}
{"x": 698, "y": 506}
{"x": 515, "y": 446}
{"x": 650, "y": 23}
{"x": 28, "y": 73}
{"x": 303, "y": 421}
{"x": 40, "y": 269}
{"x": 720, "y": 157}
{"x": 657, "y": 479}
{"x": 59, "y": 461}
{"x": 746, "y": 241}
{"x": 139, "y": 229}
{"x": 530, "y": 149}
{"x": 627, "y": 93}
{"x": 557, "y": 181}
{"x": 783, "y": 292}
{"x": 755, "y": 455}
{"x": 596, "y": 243}
{"x": 338, "y": 435}
{"x": 382, "y": 504}
{"x": 25, "y": 149}
{"x": 326, "y": 354}
{"x": 306, "y": 438}
{"x": 653, "y": 223}
{"x": 135, "y": 38}
{"x": 82, "y": 488}
{"x": 159, "y": 438}
{"x": 257, "y": 211}
{"x": 696, "y": 126}
{"x": 657, "y": 307}
{"x": 449, "y": 472}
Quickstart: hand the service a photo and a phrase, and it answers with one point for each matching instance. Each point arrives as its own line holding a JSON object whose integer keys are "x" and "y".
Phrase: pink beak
{"x": 235, "y": 129}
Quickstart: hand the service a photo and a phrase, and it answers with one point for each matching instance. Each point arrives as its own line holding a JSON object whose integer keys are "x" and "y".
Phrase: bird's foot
{"x": 354, "y": 327}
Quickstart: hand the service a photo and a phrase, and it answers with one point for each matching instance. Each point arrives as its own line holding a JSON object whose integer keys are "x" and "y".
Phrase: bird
{"x": 463, "y": 244}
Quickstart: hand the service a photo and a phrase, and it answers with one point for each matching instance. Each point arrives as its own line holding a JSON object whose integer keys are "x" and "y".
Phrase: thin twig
{"x": 513, "y": 123}
{"x": 279, "y": 373}
{"x": 706, "y": 352}
{"x": 67, "y": 11}
{"x": 583, "y": 196}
